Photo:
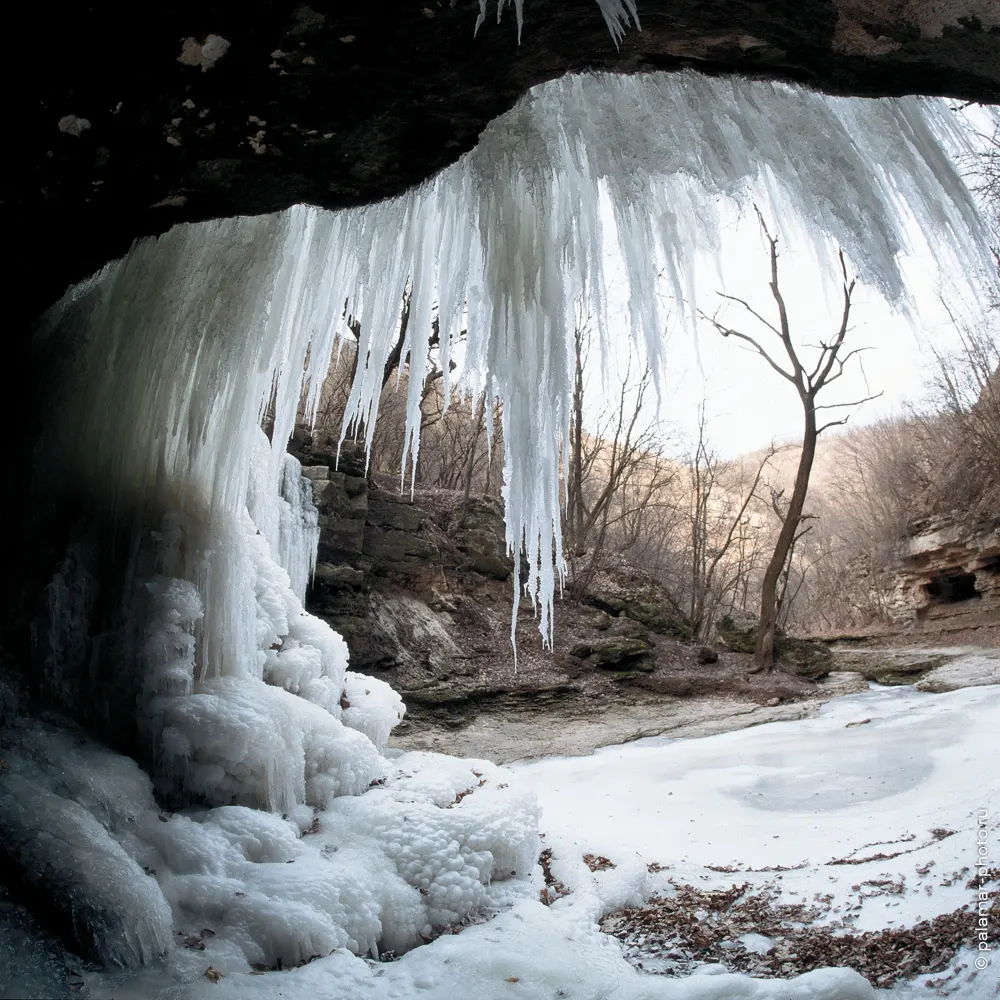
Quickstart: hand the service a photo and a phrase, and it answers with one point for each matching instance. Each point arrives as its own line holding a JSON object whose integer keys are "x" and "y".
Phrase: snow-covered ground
{"x": 879, "y": 790}
{"x": 875, "y": 805}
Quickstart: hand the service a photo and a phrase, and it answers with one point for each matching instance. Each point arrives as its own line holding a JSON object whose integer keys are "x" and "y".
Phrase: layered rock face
{"x": 950, "y": 573}
{"x": 385, "y": 565}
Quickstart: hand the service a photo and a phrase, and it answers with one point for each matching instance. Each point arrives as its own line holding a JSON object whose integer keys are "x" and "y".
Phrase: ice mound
{"x": 386, "y": 870}
{"x": 292, "y": 727}
{"x": 239, "y": 740}
{"x": 421, "y": 850}
{"x": 293, "y": 835}
{"x": 64, "y": 801}
{"x": 371, "y": 707}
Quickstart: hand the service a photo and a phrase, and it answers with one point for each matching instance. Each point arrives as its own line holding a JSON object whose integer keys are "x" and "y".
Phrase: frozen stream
{"x": 883, "y": 787}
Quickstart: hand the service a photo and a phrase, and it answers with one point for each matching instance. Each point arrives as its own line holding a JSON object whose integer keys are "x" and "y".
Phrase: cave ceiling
{"x": 121, "y": 122}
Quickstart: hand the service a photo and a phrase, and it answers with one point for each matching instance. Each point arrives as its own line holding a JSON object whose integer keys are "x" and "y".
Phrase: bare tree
{"x": 966, "y": 387}
{"x": 808, "y": 383}
{"x": 614, "y": 473}
{"x": 718, "y": 524}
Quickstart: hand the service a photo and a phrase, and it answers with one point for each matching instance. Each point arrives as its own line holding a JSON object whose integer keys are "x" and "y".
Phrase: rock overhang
{"x": 125, "y": 129}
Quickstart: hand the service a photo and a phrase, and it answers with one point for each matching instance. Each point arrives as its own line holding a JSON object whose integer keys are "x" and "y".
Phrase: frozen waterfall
{"x": 178, "y": 350}
{"x": 190, "y": 337}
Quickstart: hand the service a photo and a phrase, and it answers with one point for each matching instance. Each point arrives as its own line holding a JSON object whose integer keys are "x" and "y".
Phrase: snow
{"x": 440, "y": 840}
{"x": 372, "y": 708}
{"x": 853, "y": 796}
{"x": 824, "y": 785}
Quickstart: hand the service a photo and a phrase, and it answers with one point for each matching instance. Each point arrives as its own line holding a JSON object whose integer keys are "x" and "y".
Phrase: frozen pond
{"x": 873, "y": 765}
{"x": 890, "y": 787}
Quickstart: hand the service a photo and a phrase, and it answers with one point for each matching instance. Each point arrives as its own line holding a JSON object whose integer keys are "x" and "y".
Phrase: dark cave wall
{"x": 343, "y": 103}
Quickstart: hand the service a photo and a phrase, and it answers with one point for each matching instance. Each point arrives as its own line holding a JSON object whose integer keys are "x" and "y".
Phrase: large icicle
{"x": 515, "y": 231}
{"x": 506, "y": 243}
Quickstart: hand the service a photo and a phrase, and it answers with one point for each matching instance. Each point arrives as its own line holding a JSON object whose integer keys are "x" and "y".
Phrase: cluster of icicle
{"x": 617, "y": 14}
{"x": 179, "y": 351}
{"x": 508, "y": 242}
{"x": 499, "y": 250}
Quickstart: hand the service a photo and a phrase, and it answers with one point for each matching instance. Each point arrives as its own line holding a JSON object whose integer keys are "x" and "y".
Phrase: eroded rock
{"x": 613, "y": 652}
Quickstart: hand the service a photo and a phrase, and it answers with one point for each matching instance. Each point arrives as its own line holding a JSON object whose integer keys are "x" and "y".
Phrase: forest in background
{"x": 703, "y": 526}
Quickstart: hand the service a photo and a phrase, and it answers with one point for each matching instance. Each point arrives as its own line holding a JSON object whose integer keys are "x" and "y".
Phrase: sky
{"x": 747, "y": 404}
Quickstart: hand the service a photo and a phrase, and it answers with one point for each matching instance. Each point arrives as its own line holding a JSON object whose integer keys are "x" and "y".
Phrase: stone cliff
{"x": 421, "y": 590}
{"x": 949, "y": 575}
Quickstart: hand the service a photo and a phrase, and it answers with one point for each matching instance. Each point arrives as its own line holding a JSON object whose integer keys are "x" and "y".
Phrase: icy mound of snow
{"x": 66, "y": 850}
{"x": 239, "y": 740}
{"x": 371, "y": 707}
{"x": 431, "y": 843}
{"x": 383, "y": 870}
{"x": 271, "y": 735}
{"x": 309, "y": 660}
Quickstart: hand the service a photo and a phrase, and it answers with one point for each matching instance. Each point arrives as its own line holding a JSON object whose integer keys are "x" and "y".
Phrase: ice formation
{"x": 509, "y": 241}
{"x": 243, "y": 702}
{"x": 431, "y": 842}
{"x": 617, "y": 14}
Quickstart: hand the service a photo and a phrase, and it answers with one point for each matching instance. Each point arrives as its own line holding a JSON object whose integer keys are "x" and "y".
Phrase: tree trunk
{"x": 479, "y": 419}
{"x": 764, "y": 653}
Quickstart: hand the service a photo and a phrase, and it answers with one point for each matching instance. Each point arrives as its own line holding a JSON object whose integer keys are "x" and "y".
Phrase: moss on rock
{"x": 802, "y": 657}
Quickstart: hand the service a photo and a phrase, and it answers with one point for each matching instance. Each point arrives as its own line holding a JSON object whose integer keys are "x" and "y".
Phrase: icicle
{"x": 298, "y": 528}
{"x": 509, "y": 244}
{"x": 517, "y": 233}
{"x": 617, "y": 14}
{"x": 518, "y": 10}
{"x": 175, "y": 354}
